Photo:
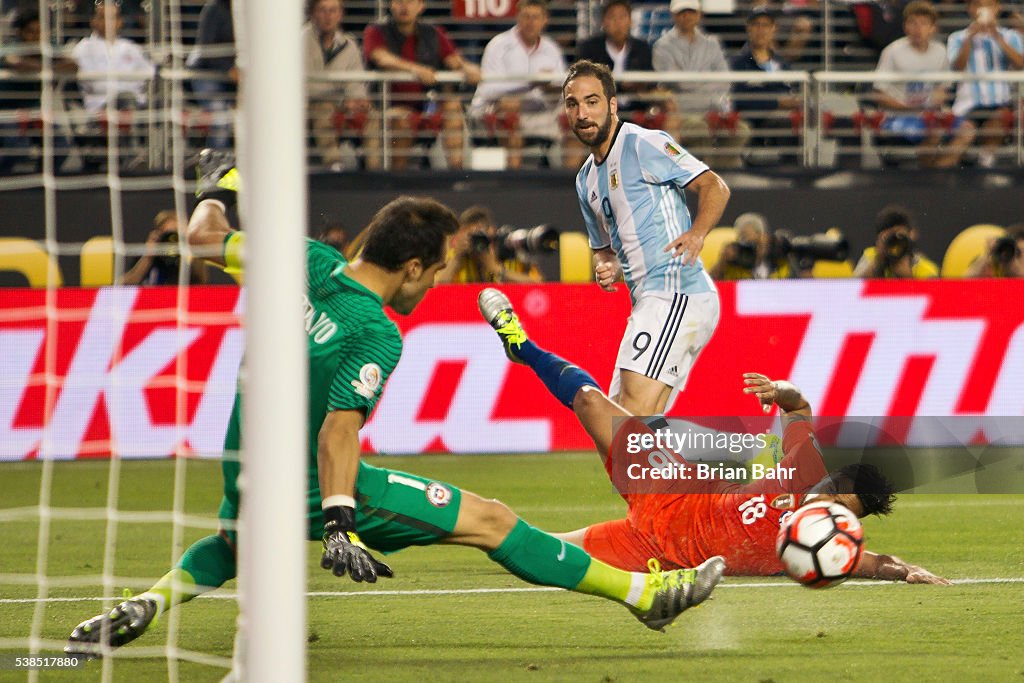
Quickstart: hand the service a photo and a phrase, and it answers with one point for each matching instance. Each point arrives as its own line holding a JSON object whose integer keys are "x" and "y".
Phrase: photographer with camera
{"x": 750, "y": 257}
{"x": 1003, "y": 258}
{"x": 894, "y": 254}
{"x": 757, "y": 254}
{"x": 160, "y": 264}
{"x": 480, "y": 252}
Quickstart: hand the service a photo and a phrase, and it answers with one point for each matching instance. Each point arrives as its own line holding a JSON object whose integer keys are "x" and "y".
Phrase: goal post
{"x": 271, "y": 147}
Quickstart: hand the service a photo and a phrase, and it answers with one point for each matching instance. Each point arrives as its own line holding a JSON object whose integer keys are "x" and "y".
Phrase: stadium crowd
{"x": 457, "y": 91}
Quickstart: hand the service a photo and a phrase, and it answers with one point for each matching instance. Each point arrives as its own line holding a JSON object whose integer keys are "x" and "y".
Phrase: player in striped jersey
{"x": 351, "y": 505}
{"x": 630, "y": 191}
{"x": 985, "y": 47}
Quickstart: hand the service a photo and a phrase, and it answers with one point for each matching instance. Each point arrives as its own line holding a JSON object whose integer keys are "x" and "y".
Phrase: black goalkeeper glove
{"x": 216, "y": 177}
{"x": 344, "y": 552}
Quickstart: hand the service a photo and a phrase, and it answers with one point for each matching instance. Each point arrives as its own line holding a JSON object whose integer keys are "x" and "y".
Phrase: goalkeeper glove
{"x": 344, "y": 552}
{"x": 216, "y": 177}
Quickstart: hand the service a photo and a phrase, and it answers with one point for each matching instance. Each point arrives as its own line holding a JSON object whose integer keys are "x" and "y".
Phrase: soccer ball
{"x": 820, "y": 544}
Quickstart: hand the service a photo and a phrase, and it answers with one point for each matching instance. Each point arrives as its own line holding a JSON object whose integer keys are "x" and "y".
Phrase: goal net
{"x": 121, "y": 351}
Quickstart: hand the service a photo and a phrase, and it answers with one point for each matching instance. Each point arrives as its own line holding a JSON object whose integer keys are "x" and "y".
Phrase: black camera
{"x": 896, "y": 246}
{"x": 744, "y": 255}
{"x": 542, "y": 239}
{"x": 1005, "y": 251}
{"x": 804, "y": 251}
{"x": 168, "y": 255}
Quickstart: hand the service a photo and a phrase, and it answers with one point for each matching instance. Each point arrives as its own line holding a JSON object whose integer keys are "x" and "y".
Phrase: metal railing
{"x": 834, "y": 120}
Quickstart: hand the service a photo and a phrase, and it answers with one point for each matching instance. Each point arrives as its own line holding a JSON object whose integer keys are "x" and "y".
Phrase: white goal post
{"x": 272, "y": 532}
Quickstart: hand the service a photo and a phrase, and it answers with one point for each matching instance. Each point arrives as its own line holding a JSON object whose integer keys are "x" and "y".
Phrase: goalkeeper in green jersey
{"x": 354, "y": 507}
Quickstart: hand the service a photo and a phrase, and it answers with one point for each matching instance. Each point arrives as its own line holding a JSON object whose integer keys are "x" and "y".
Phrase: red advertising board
{"x": 151, "y": 372}
{"x": 483, "y": 9}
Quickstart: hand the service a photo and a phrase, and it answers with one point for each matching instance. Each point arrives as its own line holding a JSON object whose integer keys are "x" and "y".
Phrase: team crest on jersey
{"x": 369, "y": 380}
{"x": 672, "y": 150}
{"x": 614, "y": 180}
{"x": 439, "y": 495}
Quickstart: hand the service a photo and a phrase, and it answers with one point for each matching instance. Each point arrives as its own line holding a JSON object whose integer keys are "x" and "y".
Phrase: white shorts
{"x": 665, "y": 334}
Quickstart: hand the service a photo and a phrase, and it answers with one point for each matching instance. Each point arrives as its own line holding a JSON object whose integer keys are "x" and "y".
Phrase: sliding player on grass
{"x": 680, "y": 521}
{"x": 352, "y": 506}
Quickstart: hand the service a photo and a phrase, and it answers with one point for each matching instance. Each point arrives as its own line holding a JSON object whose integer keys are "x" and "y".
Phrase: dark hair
{"x": 891, "y": 217}
{"x": 476, "y": 214}
{"x": 311, "y": 5}
{"x": 23, "y": 17}
{"x": 612, "y": 3}
{"x": 875, "y": 492}
{"x": 585, "y": 67}
{"x": 1016, "y": 231}
{"x": 408, "y": 228}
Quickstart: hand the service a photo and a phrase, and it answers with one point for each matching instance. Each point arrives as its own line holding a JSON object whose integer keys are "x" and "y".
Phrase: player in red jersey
{"x": 682, "y": 520}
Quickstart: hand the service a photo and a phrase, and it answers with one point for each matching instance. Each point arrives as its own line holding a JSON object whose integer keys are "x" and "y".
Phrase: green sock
{"x": 540, "y": 558}
{"x": 207, "y": 564}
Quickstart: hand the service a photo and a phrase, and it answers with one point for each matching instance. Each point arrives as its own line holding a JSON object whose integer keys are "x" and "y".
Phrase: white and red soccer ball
{"x": 820, "y": 544}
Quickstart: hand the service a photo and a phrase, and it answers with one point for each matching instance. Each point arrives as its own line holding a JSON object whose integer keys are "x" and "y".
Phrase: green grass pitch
{"x": 754, "y": 630}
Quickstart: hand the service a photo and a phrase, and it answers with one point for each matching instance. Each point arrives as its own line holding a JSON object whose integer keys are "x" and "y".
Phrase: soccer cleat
{"x": 216, "y": 176}
{"x": 496, "y": 310}
{"x": 678, "y": 591}
{"x": 771, "y": 455}
{"x": 120, "y": 626}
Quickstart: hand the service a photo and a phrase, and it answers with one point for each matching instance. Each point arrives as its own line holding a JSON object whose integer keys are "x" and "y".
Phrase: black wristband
{"x": 339, "y": 518}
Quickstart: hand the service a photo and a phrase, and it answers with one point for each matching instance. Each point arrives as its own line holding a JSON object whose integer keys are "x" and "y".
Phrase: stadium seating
{"x": 97, "y": 262}
{"x": 574, "y": 257}
{"x": 713, "y": 243}
{"x": 28, "y": 258}
{"x": 967, "y": 246}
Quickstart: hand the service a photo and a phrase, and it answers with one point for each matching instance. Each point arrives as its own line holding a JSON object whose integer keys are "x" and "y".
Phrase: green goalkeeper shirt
{"x": 353, "y": 347}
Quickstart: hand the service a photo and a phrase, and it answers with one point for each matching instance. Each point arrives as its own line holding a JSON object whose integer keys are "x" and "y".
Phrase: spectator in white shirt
{"x": 327, "y": 51}
{"x": 913, "y": 109}
{"x": 520, "y": 111}
{"x": 104, "y": 53}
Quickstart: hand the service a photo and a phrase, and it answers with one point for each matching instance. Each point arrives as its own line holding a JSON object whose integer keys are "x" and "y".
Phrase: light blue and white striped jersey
{"x": 986, "y": 57}
{"x": 633, "y": 201}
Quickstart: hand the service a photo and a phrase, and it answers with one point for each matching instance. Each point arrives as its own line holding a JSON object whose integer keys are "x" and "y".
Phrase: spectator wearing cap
{"x": 707, "y": 120}
{"x": 765, "y": 104}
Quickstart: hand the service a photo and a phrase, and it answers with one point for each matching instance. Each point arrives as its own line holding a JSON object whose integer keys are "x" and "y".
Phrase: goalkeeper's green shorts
{"x": 394, "y": 509}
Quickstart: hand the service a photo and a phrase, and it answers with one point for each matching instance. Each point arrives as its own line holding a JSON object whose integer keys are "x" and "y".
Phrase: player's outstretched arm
{"x": 890, "y": 568}
{"x": 780, "y": 392}
{"x": 338, "y": 467}
{"x": 208, "y": 228}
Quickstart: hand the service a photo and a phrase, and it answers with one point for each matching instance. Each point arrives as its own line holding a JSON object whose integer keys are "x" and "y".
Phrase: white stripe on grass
{"x": 228, "y": 595}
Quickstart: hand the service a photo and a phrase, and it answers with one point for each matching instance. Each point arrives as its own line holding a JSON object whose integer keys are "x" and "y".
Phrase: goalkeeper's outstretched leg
{"x": 207, "y": 564}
